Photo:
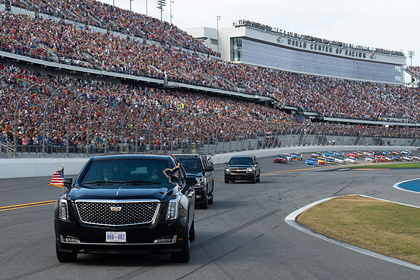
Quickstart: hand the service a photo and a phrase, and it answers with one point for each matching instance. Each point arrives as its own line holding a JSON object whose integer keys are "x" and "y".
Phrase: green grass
{"x": 388, "y": 165}
{"x": 379, "y": 226}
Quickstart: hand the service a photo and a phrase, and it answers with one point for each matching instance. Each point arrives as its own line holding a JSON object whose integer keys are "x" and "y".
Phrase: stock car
{"x": 297, "y": 156}
{"x": 370, "y": 159}
{"x": 396, "y": 158}
{"x": 330, "y": 160}
{"x": 312, "y": 161}
{"x": 351, "y": 160}
{"x": 352, "y": 154}
{"x": 368, "y": 153}
{"x": 380, "y": 158}
{"x": 322, "y": 161}
{"x": 340, "y": 160}
{"x": 280, "y": 159}
{"x": 406, "y": 153}
{"x": 395, "y": 152}
{"x": 416, "y": 157}
{"x": 388, "y": 158}
{"x": 316, "y": 155}
{"x": 288, "y": 156}
{"x": 338, "y": 154}
{"x": 407, "y": 158}
{"x": 328, "y": 154}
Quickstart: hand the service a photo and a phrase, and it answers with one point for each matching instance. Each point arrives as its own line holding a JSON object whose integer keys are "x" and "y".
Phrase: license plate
{"x": 116, "y": 236}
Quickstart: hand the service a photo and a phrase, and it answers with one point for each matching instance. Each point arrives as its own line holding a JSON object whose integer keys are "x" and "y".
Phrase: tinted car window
{"x": 241, "y": 161}
{"x": 127, "y": 170}
{"x": 192, "y": 165}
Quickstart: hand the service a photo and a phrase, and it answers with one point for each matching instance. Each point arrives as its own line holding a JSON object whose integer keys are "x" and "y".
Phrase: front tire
{"x": 65, "y": 257}
{"x": 205, "y": 204}
{"x": 182, "y": 256}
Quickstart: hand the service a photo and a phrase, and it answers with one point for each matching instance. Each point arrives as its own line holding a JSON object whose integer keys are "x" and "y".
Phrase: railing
{"x": 211, "y": 147}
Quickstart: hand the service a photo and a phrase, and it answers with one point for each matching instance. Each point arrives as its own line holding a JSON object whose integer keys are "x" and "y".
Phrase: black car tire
{"x": 227, "y": 181}
{"x": 192, "y": 232}
{"x": 212, "y": 195}
{"x": 65, "y": 257}
{"x": 254, "y": 180}
{"x": 182, "y": 256}
{"x": 258, "y": 178}
{"x": 205, "y": 204}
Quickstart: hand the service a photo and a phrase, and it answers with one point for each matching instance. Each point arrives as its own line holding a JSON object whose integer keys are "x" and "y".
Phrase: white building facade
{"x": 255, "y": 44}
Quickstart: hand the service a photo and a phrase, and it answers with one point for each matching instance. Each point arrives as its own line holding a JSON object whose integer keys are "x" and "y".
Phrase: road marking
{"x": 26, "y": 205}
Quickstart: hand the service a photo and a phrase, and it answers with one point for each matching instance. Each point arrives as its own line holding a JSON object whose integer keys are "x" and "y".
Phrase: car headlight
{"x": 227, "y": 170}
{"x": 173, "y": 208}
{"x": 63, "y": 210}
{"x": 250, "y": 169}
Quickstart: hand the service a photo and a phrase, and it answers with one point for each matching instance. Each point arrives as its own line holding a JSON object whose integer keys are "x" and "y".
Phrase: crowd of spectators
{"x": 95, "y": 112}
{"x": 25, "y": 35}
{"x": 112, "y": 18}
{"x": 220, "y": 118}
{"x": 415, "y": 70}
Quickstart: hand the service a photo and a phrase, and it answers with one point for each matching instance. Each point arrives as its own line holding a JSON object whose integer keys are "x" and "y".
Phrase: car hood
{"x": 195, "y": 175}
{"x": 239, "y": 165}
{"x": 123, "y": 192}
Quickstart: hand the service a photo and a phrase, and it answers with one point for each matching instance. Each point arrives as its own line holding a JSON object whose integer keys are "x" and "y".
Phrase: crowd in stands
{"x": 96, "y": 112}
{"x": 112, "y": 18}
{"x": 22, "y": 34}
{"x": 415, "y": 70}
{"x": 219, "y": 117}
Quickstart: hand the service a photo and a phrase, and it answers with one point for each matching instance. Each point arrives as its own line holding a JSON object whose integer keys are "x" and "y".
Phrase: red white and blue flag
{"x": 57, "y": 178}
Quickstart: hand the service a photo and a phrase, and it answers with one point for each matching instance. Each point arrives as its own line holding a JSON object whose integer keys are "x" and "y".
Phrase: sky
{"x": 390, "y": 25}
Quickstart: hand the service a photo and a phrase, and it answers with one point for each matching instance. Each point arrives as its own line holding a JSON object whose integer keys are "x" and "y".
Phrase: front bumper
{"x": 165, "y": 237}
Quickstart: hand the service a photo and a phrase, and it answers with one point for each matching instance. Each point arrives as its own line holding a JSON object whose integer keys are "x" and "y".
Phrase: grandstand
{"x": 81, "y": 78}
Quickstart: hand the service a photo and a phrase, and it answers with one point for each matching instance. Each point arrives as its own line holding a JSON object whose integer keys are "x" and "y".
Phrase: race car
{"x": 416, "y": 157}
{"x": 280, "y": 159}
{"x": 351, "y": 160}
{"x": 330, "y": 160}
{"x": 339, "y": 160}
{"x": 352, "y": 154}
{"x": 388, "y": 158}
{"x": 316, "y": 154}
{"x": 322, "y": 161}
{"x": 328, "y": 154}
{"x": 312, "y": 161}
{"x": 407, "y": 158}
{"x": 370, "y": 159}
{"x": 368, "y": 153}
{"x": 338, "y": 154}
{"x": 297, "y": 156}
{"x": 406, "y": 153}
{"x": 380, "y": 158}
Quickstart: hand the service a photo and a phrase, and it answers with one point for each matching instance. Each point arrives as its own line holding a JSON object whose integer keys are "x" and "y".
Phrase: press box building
{"x": 261, "y": 45}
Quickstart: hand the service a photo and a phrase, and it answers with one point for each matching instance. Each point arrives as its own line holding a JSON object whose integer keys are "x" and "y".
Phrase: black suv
{"x": 127, "y": 204}
{"x": 242, "y": 168}
{"x": 199, "y": 167}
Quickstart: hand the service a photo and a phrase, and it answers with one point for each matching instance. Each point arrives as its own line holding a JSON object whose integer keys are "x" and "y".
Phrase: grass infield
{"x": 388, "y": 165}
{"x": 379, "y": 226}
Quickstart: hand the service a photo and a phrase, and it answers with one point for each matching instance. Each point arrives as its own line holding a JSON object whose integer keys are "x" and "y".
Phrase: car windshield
{"x": 138, "y": 172}
{"x": 191, "y": 165}
{"x": 241, "y": 161}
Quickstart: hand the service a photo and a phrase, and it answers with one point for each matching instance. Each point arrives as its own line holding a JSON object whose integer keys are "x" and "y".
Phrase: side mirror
{"x": 191, "y": 181}
{"x": 67, "y": 182}
{"x": 209, "y": 168}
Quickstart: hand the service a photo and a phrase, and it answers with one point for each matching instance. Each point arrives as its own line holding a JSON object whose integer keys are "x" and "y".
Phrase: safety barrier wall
{"x": 39, "y": 167}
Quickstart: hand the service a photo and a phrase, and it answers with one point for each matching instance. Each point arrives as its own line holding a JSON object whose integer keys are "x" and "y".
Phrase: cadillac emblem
{"x": 116, "y": 208}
